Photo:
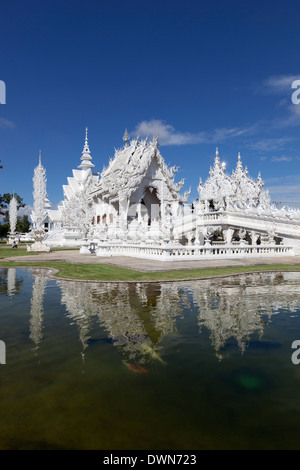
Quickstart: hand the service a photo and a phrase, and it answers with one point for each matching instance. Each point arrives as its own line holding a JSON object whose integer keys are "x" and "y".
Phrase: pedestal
{"x": 11, "y": 238}
{"x": 38, "y": 246}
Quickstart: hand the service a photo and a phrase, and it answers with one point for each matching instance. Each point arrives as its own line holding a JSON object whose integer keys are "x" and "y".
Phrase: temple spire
{"x": 239, "y": 165}
{"x": 86, "y": 155}
{"x": 217, "y": 159}
{"x": 125, "y": 137}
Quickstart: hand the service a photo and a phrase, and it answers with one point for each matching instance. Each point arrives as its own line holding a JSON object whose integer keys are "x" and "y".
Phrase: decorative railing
{"x": 177, "y": 253}
{"x": 283, "y": 226}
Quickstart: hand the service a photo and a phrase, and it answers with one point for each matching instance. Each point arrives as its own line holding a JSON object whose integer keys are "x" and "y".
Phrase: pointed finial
{"x": 239, "y": 165}
{"x": 217, "y": 158}
{"x": 155, "y": 141}
{"x": 86, "y": 155}
{"x": 86, "y": 144}
{"x": 125, "y": 137}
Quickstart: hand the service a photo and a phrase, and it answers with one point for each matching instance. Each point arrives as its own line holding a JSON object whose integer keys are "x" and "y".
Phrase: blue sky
{"x": 199, "y": 74}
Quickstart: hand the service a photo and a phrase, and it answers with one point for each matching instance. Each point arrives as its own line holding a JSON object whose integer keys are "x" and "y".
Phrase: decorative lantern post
{"x": 39, "y": 213}
{"x": 13, "y": 209}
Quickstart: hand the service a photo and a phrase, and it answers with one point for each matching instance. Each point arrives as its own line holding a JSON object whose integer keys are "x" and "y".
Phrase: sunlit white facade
{"x": 136, "y": 208}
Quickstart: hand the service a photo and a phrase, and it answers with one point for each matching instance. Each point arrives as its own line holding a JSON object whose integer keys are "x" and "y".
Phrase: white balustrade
{"x": 181, "y": 253}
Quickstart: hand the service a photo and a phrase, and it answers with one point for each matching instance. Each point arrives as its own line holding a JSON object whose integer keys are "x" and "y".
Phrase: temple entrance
{"x": 152, "y": 203}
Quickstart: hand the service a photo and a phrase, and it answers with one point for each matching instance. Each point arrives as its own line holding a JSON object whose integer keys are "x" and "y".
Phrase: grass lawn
{"x": 103, "y": 272}
{"x": 7, "y": 251}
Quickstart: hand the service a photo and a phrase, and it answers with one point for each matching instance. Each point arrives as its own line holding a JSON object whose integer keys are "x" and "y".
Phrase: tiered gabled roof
{"x": 82, "y": 178}
{"x": 131, "y": 164}
{"x": 79, "y": 184}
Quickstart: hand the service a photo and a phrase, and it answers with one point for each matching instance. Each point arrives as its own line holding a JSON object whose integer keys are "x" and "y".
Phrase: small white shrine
{"x": 136, "y": 208}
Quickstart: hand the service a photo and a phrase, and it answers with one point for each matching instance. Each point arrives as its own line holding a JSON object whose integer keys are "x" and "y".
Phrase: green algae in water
{"x": 250, "y": 382}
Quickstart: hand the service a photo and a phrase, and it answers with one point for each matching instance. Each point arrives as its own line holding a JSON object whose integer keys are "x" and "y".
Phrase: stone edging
{"x": 156, "y": 281}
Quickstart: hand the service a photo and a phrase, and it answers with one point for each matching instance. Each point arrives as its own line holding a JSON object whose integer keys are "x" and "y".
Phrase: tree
{"x": 4, "y": 229}
{"x": 23, "y": 224}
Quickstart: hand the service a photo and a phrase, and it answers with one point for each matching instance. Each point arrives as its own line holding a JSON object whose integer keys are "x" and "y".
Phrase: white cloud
{"x": 290, "y": 119}
{"x": 6, "y": 123}
{"x": 281, "y": 86}
{"x": 295, "y": 110}
{"x": 285, "y": 189}
{"x": 277, "y": 84}
{"x": 25, "y": 210}
{"x": 286, "y": 194}
{"x": 168, "y": 135}
{"x": 288, "y": 179}
{"x": 270, "y": 144}
{"x": 283, "y": 158}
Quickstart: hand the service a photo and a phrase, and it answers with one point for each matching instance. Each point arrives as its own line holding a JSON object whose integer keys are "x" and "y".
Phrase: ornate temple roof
{"x": 138, "y": 159}
{"x": 80, "y": 183}
{"x": 236, "y": 191}
{"x": 84, "y": 177}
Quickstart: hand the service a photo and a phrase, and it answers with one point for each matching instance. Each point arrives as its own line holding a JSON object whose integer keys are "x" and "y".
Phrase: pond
{"x": 176, "y": 365}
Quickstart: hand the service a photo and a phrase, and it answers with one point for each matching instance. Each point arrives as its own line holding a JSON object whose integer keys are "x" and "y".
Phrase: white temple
{"x": 135, "y": 208}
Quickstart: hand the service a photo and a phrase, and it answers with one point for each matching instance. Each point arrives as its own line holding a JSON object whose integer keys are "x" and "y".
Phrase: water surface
{"x": 183, "y": 365}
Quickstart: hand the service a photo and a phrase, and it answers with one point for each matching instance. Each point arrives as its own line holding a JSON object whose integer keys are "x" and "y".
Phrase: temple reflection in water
{"x": 137, "y": 317}
{"x": 37, "y": 307}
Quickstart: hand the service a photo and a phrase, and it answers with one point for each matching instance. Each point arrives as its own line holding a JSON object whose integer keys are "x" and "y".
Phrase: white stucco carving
{"x": 40, "y": 205}
{"x": 13, "y": 209}
{"x": 136, "y": 208}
